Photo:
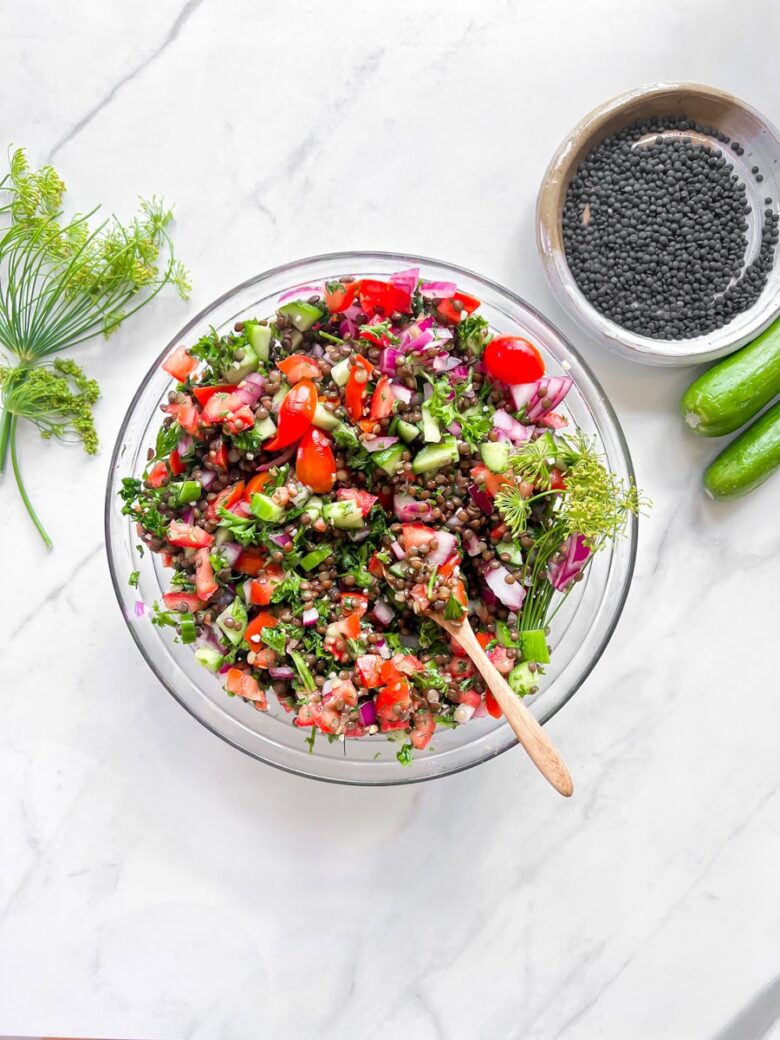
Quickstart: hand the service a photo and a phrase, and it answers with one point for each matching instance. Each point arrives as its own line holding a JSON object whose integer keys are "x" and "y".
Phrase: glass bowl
{"x": 581, "y": 629}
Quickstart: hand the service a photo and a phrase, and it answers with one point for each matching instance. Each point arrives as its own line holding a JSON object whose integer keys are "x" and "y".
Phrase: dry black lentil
{"x": 656, "y": 235}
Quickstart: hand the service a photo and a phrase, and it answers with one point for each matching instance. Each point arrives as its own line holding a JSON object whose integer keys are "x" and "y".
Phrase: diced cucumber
{"x": 346, "y": 515}
{"x": 314, "y": 507}
{"x": 305, "y": 677}
{"x": 407, "y": 431}
{"x": 211, "y": 659}
{"x": 187, "y": 491}
{"x": 511, "y": 550}
{"x": 316, "y": 557}
{"x": 340, "y": 372}
{"x": 296, "y": 338}
{"x": 239, "y": 370}
{"x": 430, "y": 427}
{"x": 434, "y": 456}
{"x": 265, "y": 428}
{"x": 237, "y": 611}
{"x": 398, "y": 570}
{"x": 279, "y": 396}
{"x": 187, "y": 630}
{"x": 259, "y": 338}
{"x": 534, "y": 646}
{"x": 495, "y": 455}
{"x": 264, "y": 508}
{"x": 303, "y": 315}
{"x": 324, "y": 418}
{"x": 522, "y": 679}
{"x": 389, "y": 459}
{"x": 503, "y": 635}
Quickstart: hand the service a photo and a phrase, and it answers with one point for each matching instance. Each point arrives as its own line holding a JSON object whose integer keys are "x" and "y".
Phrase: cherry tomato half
{"x": 295, "y": 415}
{"x": 315, "y": 464}
{"x": 297, "y": 367}
{"x": 512, "y": 359}
{"x": 340, "y": 297}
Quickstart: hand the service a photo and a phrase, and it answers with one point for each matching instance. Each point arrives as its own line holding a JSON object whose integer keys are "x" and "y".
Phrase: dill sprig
{"x": 63, "y": 282}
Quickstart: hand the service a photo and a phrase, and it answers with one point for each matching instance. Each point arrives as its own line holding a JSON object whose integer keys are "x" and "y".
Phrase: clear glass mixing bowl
{"x": 581, "y": 629}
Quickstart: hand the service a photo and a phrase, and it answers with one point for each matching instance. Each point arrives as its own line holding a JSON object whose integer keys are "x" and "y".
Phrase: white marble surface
{"x": 156, "y": 883}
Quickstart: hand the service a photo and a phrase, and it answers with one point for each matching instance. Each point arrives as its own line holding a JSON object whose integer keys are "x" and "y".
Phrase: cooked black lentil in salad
{"x": 327, "y": 477}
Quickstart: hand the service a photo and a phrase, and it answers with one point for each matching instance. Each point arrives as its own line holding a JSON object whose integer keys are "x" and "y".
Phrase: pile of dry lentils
{"x": 656, "y": 234}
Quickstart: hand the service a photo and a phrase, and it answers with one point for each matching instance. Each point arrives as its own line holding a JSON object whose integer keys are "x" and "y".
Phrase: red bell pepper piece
{"x": 383, "y": 402}
{"x": 449, "y": 313}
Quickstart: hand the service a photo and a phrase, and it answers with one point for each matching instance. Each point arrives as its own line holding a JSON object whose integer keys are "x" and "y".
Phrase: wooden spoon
{"x": 537, "y": 744}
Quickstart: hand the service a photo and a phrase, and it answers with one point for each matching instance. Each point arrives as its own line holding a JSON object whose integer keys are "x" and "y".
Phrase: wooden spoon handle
{"x": 537, "y": 744}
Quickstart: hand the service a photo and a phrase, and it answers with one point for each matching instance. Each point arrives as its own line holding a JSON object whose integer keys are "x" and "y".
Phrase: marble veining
{"x": 156, "y": 883}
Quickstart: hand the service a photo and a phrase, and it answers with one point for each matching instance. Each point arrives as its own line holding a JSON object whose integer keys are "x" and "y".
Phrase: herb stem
{"x": 5, "y": 432}
{"x": 25, "y": 497}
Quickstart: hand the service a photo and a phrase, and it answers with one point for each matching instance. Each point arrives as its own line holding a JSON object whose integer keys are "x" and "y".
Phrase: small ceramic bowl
{"x": 709, "y": 107}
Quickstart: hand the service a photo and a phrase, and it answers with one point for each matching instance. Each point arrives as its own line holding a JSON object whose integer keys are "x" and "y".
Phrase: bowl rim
{"x": 549, "y": 239}
{"x": 355, "y": 256}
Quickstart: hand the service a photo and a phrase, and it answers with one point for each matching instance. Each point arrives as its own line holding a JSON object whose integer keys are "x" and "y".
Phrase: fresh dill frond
{"x": 531, "y": 461}
{"x": 513, "y": 507}
{"x": 57, "y": 398}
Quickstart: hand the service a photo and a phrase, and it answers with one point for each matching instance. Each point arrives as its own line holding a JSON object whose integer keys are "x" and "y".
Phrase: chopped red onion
{"x": 481, "y": 710}
{"x": 455, "y": 429}
{"x": 409, "y": 510}
{"x": 241, "y": 508}
{"x": 511, "y": 596}
{"x": 282, "y": 539}
{"x": 515, "y": 430}
{"x": 401, "y": 392}
{"x": 359, "y": 536}
{"x": 473, "y": 545}
{"x": 550, "y": 391}
{"x": 231, "y": 552}
{"x": 249, "y": 393}
{"x": 367, "y": 713}
{"x": 383, "y": 612}
{"x": 372, "y": 444}
{"x": 225, "y": 668}
{"x": 278, "y": 460}
{"x": 388, "y": 360}
{"x": 481, "y": 498}
{"x": 310, "y": 617}
{"x": 522, "y": 394}
{"x": 445, "y": 547}
{"x": 554, "y": 421}
{"x": 383, "y": 649}
{"x": 563, "y": 571}
{"x": 139, "y": 608}
{"x": 438, "y": 290}
{"x": 185, "y": 444}
{"x": 348, "y": 327}
{"x": 398, "y": 550}
{"x": 282, "y": 672}
{"x": 207, "y": 479}
{"x": 406, "y": 280}
{"x": 188, "y": 516}
{"x": 445, "y": 363}
{"x": 419, "y": 343}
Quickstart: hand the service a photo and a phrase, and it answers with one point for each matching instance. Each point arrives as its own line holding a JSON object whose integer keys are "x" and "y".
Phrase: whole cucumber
{"x": 748, "y": 461}
{"x": 734, "y": 390}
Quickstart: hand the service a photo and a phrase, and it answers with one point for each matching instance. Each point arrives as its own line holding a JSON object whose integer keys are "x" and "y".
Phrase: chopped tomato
{"x": 483, "y": 638}
{"x": 205, "y": 585}
{"x": 188, "y": 416}
{"x": 219, "y": 406}
{"x": 242, "y": 419}
{"x": 218, "y": 454}
{"x": 167, "y": 559}
{"x": 388, "y": 673}
{"x": 498, "y": 532}
{"x": 242, "y": 684}
{"x": 360, "y": 498}
{"x": 262, "y": 588}
{"x": 449, "y": 312}
{"x": 342, "y": 695}
{"x": 188, "y": 536}
{"x": 492, "y": 482}
{"x": 347, "y": 628}
{"x": 340, "y": 297}
{"x": 557, "y": 482}
{"x": 469, "y": 697}
{"x": 459, "y": 592}
{"x": 256, "y": 626}
{"x": 501, "y": 660}
{"x": 554, "y": 421}
{"x": 177, "y": 466}
{"x": 205, "y": 393}
{"x": 354, "y": 603}
{"x": 297, "y": 367}
{"x": 226, "y": 498}
{"x": 356, "y": 389}
{"x": 449, "y": 565}
{"x": 295, "y": 415}
{"x": 184, "y": 602}
{"x": 492, "y": 705}
{"x": 257, "y": 483}
{"x": 420, "y": 600}
{"x": 423, "y": 727}
{"x": 315, "y": 463}
{"x": 383, "y": 402}
{"x": 250, "y": 562}
{"x": 393, "y": 704}
{"x": 369, "y": 667}
{"x": 383, "y": 298}
{"x": 415, "y": 535}
{"x": 179, "y": 364}
{"x": 158, "y": 474}
{"x": 460, "y": 667}
{"x": 407, "y": 664}
{"x": 512, "y": 359}
{"x": 375, "y": 566}
{"x": 375, "y": 336}
{"x": 265, "y": 657}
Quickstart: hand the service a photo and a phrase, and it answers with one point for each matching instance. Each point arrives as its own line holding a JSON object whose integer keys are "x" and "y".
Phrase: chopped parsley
{"x": 404, "y": 755}
{"x": 132, "y": 581}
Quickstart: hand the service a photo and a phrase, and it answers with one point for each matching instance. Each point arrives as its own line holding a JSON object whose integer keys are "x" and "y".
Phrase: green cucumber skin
{"x": 748, "y": 461}
{"x": 730, "y": 393}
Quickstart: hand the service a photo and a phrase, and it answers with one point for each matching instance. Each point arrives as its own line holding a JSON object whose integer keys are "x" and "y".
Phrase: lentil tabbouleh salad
{"x": 327, "y": 477}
